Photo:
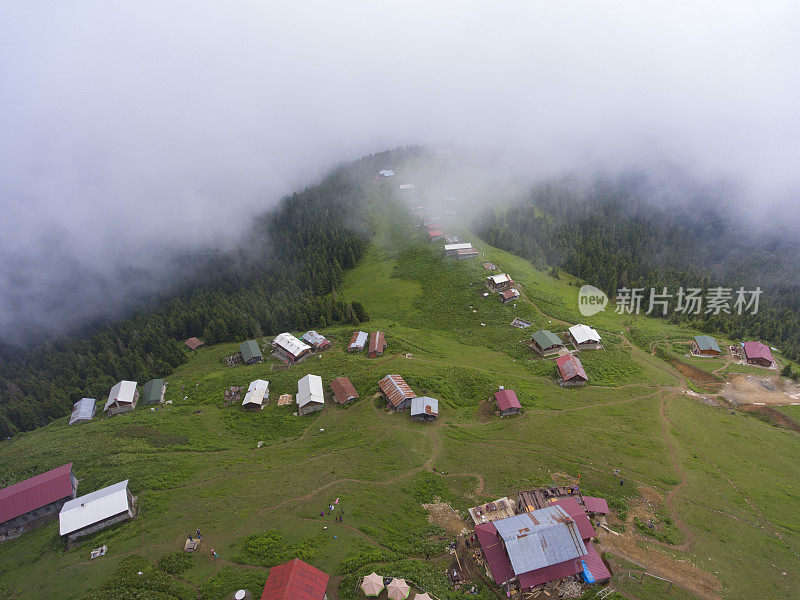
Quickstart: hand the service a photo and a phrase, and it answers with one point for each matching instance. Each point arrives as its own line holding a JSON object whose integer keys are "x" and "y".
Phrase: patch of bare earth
{"x": 755, "y": 389}
{"x": 446, "y": 517}
{"x": 775, "y": 417}
{"x": 485, "y": 410}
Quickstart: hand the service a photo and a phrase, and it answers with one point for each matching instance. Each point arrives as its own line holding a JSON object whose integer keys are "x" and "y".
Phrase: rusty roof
{"x": 570, "y": 367}
{"x": 396, "y": 389}
{"x": 377, "y": 342}
{"x": 193, "y": 343}
{"x": 343, "y": 390}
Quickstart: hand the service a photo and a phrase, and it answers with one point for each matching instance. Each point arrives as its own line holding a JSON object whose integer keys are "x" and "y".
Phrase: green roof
{"x": 545, "y": 339}
{"x": 706, "y": 342}
{"x": 250, "y": 350}
{"x": 151, "y": 393}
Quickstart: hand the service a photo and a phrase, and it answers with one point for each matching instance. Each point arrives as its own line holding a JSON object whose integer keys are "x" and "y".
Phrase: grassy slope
{"x": 195, "y": 464}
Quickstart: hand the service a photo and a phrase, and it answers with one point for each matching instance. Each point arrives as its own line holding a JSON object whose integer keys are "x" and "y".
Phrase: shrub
{"x": 175, "y": 563}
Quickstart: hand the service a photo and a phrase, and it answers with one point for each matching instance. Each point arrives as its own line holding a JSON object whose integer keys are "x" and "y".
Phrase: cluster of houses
{"x": 570, "y": 369}
{"x": 399, "y": 396}
{"x": 52, "y": 495}
{"x": 503, "y": 285}
{"x": 376, "y": 339}
{"x": 460, "y": 250}
{"x": 122, "y": 398}
{"x": 754, "y": 353}
{"x": 544, "y": 536}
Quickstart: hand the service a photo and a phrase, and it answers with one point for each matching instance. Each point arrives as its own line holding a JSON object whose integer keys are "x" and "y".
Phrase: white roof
{"x": 418, "y": 405}
{"x": 93, "y": 508}
{"x": 314, "y": 338}
{"x": 497, "y": 279}
{"x": 309, "y": 389}
{"x": 406, "y": 186}
{"x": 465, "y": 246}
{"x": 82, "y": 409}
{"x": 583, "y": 334}
{"x": 291, "y": 344}
{"x": 123, "y": 393}
{"x": 386, "y": 172}
{"x": 361, "y": 340}
{"x": 258, "y": 384}
{"x": 256, "y": 393}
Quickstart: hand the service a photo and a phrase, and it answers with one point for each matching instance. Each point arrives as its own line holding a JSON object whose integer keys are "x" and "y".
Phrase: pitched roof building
{"x": 584, "y": 336}
{"x": 705, "y": 344}
{"x": 95, "y": 511}
{"x": 758, "y": 354}
{"x": 153, "y": 392}
{"x": 424, "y": 408}
{"x": 122, "y": 398}
{"x": 396, "y": 391}
{"x": 289, "y": 347}
{"x": 193, "y": 343}
{"x": 546, "y": 342}
{"x": 377, "y": 344}
{"x": 317, "y": 340}
{"x": 83, "y": 410}
{"x": 507, "y": 402}
{"x": 295, "y": 580}
{"x": 35, "y": 500}
{"x": 310, "y": 396}
{"x": 257, "y": 395}
{"x": 570, "y": 370}
{"x": 343, "y": 390}
{"x": 358, "y": 342}
{"x": 500, "y": 282}
{"x": 251, "y": 353}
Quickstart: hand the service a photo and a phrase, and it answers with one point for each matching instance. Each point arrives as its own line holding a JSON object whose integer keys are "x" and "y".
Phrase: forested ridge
{"x": 609, "y": 234}
{"x": 281, "y": 278}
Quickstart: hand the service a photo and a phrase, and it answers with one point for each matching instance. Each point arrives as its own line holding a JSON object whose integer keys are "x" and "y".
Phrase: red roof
{"x": 506, "y": 294}
{"x": 550, "y": 573}
{"x": 507, "y": 399}
{"x": 596, "y": 505}
{"x": 396, "y": 389}
{"x": 578, "y": 514}
{"x": 377, "y": 342}
{"x": 435, "y": 232}
{"x": 33, "y": 493}
{"x": 193, "y": 343}
{"x": 595, "y": 563}
{"x": 757, "y": 350}
{"x": 569, "y": 367}
{"x": 343, "y": 390}
{"x": 295, "y": 580}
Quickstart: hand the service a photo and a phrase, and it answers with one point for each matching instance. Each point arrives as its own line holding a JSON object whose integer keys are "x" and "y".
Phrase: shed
{"x": 386, "y": 173}
{"x": 295, "y": 580}
{"x": 705, "y": 345}
{"x": 758, "y": 354}
{"x": 435, "y": 234}
{"x": 452, "y": 249}
{"x": 507, "y": 402}
{"x": 499, "y": 282}
{"x": 584, "y": 337}
{"x": 343, "y": 390}
{"x": 397, "y": 392}
{"x": 289, "y": 349}
{"x": 317, "y": 340}
{"x": 424, "y": 408}
{"x": 377, "y": 344}
{"x": 193, "y": 343}
{"x": 310, "y": 396}
{"x": 467, "y": 254}
{"x": 35, "y": 500}
{"x": 83, "y": 410}
{"x": 122, "y": 398}
{"x": 251, "y": 353}
{"x": 570, "y": 371}
{"x": 153, "y": 392}
{"x": 98, "y": 510}
{"x": 257, "y": 395}
{"x": 546, "y": 342}
{"x": 509, "y": 295}
{"x": 358, "y": 342}
{"x": 595, "y": 506}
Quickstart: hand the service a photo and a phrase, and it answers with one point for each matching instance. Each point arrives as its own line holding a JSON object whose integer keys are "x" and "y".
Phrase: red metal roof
{"x": 506, "y": 294}
{"x": 757, "y": 350}
{"x": 569, "y": 367}
{"x": 33, "y": 493}
{"x": 578, "y": 514}
{"x": 595, "y": 563}
{"x": 435, "y": 232}
{"x": 396, "y": 389}
{"x": 550, "y": 573}
{"x": 295, "y": 580}
{"x": 193, "y": 343}
{"x": 507, "y": 399}
{"x": 377, "y": 342}
{"x": 343, "y": 390}
{"x": 596, "y": 505}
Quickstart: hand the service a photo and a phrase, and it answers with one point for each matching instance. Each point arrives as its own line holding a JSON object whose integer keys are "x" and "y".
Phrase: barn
{"x": 498, "y": 283}
{"x": 507, "y": 402}
{"x": 153, "y": 392}
{"x": 83, "y": 410}
{"x": 397, "y": 392}
{"x": 295, "y": 580}
{"x": 343, "y": 390}
{"x": 310, "y": 396}
{"x": 316, "y": 340}
{"x": 34, "y": 501}
{"x": 289, "y": 349}
{"x": 122, "y": 398}
{"x": 546, "y": 342}
{"x": 96, "y": 511}
{"x": 705, "y": 345}
{"x": 358, "y": 342}
{"x": 757, "y": 353}
{"x": 424, "y": 409}
{"x": 377, "y": 344}
{"x": 257, "y": 395}
{"x": 251, "y": 353}
{"x": 193, "y": 343}
{"x": 584, "y": 337}
{"x": 509, "y": 295}
{"x": 570, "y": 371}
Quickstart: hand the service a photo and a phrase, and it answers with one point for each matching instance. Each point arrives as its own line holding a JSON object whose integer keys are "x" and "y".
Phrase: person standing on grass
{"x": 199, "y": 536}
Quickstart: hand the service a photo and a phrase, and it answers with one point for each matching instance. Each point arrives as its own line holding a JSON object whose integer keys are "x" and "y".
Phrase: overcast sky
{"x": 128, "y": 127}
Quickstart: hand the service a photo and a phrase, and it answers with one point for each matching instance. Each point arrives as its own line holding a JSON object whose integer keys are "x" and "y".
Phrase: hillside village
{"x": 475, "y": 438}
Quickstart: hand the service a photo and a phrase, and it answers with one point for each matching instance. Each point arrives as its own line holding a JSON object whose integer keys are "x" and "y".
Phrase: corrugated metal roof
{"x": 291, "y": 344}
{"x": 495, "y": 553}
{"x": 396, "y": 389}
{"x": 546, "y": 339}
{"x": 512, "y": 293}
{"x": 583, "y": 334}
{"x": 151, "y": 392}
{"x": 257, "y": 392}
{"x": 596, "y": 505}
{"x": 33, "y": 493}
{"x": 595, "y": 563}
{"x": 82, "y": 410}
{"x": 359, "y": 340}
{"x": 757, "y": 350}
{"x": 423, "y": 405}
{"x": 122, "y": 393}
{"x": 315, "y": 339}
{"x": 343, "y": 390}
{"x": 464, "y": 246}
{"x": 569, "y": 366}
{"x": 250, "y": 350}
{"x": 295, "y": 580}
{"x": 93, "y": 508}
{"x": 706, "y": 342}
{"x": 507, "y": 399}
{"x": 501, "y": 278}
{"x": 578, "y": 514}
{"x": 549, "y": 573}
{"x": 309, "y": 389}
{"x": 540, "y": 538}
{"x": 377, "y": 342}
{"x": 193, "y": 343}
{"x": 386, "y": 172}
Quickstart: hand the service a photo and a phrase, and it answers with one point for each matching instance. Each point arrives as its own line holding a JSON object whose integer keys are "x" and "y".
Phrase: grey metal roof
{"x": 82, "y": 410}
{"x": 706, "y": 342}
{"x": 540, "y": 538}
{"x": 418, "y": 406}
{"x": 93, "y": 508}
